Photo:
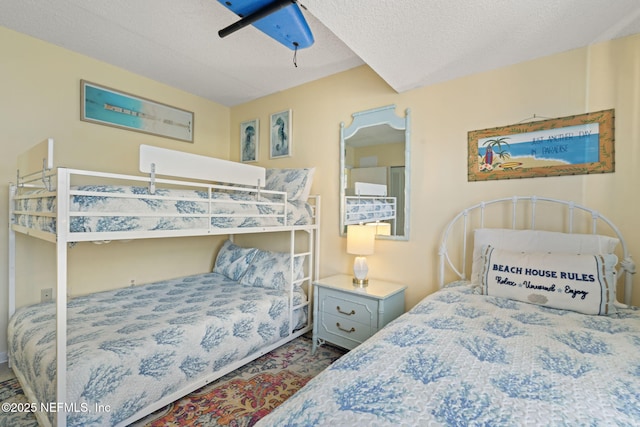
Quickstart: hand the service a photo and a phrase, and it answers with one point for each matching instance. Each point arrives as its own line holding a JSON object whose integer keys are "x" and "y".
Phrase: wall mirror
{"x": 374, "y": 172}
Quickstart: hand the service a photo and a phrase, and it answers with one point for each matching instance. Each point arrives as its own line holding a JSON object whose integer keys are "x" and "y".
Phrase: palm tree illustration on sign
{"x": 495, "y": 148}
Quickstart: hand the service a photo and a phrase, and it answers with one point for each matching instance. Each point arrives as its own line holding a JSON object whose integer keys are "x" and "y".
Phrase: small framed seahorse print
{"x": 280, "y": 132}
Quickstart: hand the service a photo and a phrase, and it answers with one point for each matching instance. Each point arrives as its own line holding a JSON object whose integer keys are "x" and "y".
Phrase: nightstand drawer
{"x": 334, "y": 327}
{"x": 349, "y": 307}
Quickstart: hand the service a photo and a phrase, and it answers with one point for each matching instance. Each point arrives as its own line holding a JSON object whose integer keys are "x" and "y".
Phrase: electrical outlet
{"x": 46, "y": 295}
{"x": 133, "y": 282}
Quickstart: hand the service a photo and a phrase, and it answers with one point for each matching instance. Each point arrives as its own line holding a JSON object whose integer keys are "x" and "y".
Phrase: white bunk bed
{"x": 214, "y": 197}
{"x": 370, "y": 204}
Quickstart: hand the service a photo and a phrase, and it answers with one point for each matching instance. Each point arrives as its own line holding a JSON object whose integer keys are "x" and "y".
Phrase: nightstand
{"x": 346, "y": 315}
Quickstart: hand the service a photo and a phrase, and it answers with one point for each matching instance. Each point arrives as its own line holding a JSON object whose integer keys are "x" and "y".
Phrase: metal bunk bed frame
{"x": 154, "y": 161}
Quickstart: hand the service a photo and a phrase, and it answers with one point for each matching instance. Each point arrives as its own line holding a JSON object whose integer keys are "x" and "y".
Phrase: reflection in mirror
{"x": 374, "y": 172}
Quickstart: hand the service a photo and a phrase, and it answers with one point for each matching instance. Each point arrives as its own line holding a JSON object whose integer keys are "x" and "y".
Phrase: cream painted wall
{"x": 596, "y": 78}
{"x": 386, "y": 154}
{"x": 40, "y": 87}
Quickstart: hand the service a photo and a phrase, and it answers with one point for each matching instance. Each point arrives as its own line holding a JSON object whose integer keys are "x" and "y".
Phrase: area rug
{"x": 238, "y": 399}
{"x": 11, "y": 396}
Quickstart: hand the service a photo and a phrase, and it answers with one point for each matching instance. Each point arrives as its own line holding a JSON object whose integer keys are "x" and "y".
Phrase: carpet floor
{"x": 238, "y": 399}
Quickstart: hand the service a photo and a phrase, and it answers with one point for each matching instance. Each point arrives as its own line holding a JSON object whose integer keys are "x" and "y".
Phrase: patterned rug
{"x": 11, "y": 394}
{"x": 238, "y": 399}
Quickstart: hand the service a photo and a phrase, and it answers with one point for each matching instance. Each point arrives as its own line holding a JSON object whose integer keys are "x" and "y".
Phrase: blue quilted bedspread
{"x": 165, "y": 210}
{"x": 463, "y": 359}
{"x": 131, "y": 347}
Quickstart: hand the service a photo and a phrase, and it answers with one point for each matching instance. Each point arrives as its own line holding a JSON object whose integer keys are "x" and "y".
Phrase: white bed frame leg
{"x": 292, "y": 278}
{"x": 61, "y": 295}
{"x": 12, "y": 261}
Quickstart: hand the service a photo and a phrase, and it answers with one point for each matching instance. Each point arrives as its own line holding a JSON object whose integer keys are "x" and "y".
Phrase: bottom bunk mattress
{"x": 131, "y": 347}
{"x": 461, "y": 358}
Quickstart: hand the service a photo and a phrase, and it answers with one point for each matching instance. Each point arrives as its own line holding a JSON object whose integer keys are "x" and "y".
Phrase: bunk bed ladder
{"x": 312, "y": 255}
{"x": 306, "y": 279}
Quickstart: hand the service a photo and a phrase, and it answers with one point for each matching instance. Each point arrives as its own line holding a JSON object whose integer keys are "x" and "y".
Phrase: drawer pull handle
{"x": 346, "y": 330}
{"x": 344, "y": 312}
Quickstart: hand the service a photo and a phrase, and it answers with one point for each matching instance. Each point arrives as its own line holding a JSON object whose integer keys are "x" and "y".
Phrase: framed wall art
{"x": 581, "y": 144}
{"x": 249, "y": 140}
{"x": 106, "y": 106}
{"x": 280, "y": 134}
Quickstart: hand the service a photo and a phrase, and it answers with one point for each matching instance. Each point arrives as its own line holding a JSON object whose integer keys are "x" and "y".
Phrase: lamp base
{"x": 360, "y": 283}
{"x": 360, "y": 270}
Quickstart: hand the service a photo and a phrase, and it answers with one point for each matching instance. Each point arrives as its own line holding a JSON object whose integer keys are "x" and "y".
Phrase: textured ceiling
{"x": 177, "y": 43}
{"x": 410, "y": 43}
{"x": 413, "y": 43}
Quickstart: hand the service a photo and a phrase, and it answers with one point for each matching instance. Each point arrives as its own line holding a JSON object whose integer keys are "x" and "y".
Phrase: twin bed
{"x": 113, "y": 357}
{"x": 530, "y": 334}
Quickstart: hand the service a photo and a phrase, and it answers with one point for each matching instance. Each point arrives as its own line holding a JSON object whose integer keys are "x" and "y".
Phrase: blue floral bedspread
{"x": 463, "y": 359}
{"x": 165, "y": 210}
{"x": 129, "y": 348}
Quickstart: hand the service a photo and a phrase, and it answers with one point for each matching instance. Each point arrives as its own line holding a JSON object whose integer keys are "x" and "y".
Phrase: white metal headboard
{"x": 518, "y": 220}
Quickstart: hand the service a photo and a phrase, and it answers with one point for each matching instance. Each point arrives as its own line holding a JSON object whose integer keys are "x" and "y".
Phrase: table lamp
{"x": 360, "y": 242}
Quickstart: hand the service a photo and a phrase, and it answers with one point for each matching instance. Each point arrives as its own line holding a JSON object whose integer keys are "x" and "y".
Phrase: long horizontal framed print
{"x": 573, "y": 145}
{"x": 280, "y": 134}
{"x": 106, "y": 106}
{"x": 249, "y": 140}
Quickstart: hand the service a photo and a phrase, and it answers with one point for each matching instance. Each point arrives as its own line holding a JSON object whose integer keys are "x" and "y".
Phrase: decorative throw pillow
{"x": 232, "y": 260}
{"x": 295, "y": 182}
{"x": 272, "y": 270}
{"x": 537, "y": 241}
{"x": 582, "y": 283}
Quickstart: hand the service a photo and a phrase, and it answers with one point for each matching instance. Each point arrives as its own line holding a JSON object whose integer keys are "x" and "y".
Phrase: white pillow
{"x": 537, "y": 241}
{"x": 582, "y": 283}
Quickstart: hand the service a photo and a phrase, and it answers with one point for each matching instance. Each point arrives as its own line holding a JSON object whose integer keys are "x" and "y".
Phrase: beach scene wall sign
{"x": 106, "y": 106}
{"x": 573, "y": 145}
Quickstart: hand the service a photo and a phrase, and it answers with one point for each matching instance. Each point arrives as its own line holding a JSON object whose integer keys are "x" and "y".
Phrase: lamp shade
{"x": 360, "y": 239}
{"x": 382, "y": 228}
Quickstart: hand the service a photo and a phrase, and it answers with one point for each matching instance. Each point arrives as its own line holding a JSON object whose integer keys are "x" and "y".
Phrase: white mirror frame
{"x": 375, "y": 117}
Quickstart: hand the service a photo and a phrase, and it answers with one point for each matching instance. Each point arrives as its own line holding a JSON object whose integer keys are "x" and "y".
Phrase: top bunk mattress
{"x": 369, "y": 209}
{"x": 117, "y": 208}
